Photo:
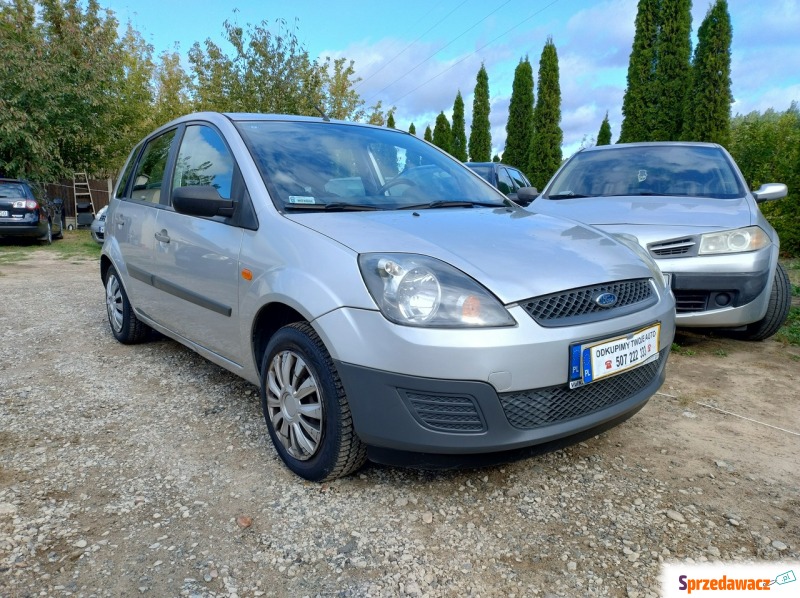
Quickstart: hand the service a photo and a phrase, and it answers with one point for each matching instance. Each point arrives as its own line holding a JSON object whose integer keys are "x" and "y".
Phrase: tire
{"x": 47, "y": 239}
{"x": 780, "y": 301}
{"x": 125, "y": 326}
{"x": 305, "y": 407}
{"x": 60, "y": 234}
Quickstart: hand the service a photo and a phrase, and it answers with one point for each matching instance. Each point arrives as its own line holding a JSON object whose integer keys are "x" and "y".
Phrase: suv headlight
{"x": 416, "y": 290}
{"x": 632, "y": 243}
{"x": 738, "y": 240}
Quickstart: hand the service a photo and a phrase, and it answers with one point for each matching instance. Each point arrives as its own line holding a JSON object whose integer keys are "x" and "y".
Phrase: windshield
{"x": 319, "y": 165}
{"x": 676, "y": 170}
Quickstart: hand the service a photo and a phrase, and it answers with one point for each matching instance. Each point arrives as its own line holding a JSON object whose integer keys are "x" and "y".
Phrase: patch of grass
{"x": 721, "y": 353}
{"x": 796, "y": 290}
{"x": 676, "y": 348}
{"x": 76, "y": 244}
{"x": 790, "y": 331}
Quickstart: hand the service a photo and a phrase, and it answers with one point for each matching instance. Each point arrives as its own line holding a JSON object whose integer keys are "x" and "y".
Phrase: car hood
{"x": 516, "y": 254}
{"x": 680, "y": 212}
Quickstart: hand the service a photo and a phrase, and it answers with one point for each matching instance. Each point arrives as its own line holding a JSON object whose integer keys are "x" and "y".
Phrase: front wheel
{"x": 125, "y": 326}
{"x": 305, "y": 407}
{"x": 780, "y": 300}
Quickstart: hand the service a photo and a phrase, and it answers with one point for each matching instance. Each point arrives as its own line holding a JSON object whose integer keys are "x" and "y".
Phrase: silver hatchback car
{"x": 389, "y": 303}
{"x": 690, "y": 208}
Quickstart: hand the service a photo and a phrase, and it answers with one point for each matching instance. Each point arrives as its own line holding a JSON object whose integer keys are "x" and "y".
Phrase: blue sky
{"x": 416, "y": 54}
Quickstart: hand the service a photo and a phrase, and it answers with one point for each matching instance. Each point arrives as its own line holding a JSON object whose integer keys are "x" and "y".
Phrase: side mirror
{"x": 201, "y": 200}
{"x": 770, "y": 192}
{"x": 525, "y": 195}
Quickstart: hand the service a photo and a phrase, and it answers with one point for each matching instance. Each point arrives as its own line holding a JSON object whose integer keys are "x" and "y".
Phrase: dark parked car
{"x": 23, "y": 215}
{"x": 506, "y": 178}
{"x": 689, "y": 206}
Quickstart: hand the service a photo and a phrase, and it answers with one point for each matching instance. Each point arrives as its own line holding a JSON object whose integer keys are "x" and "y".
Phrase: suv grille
{"x": 578, "y": 306}
{"x": 450, "y": 413}
{"x": 544, "y": 406}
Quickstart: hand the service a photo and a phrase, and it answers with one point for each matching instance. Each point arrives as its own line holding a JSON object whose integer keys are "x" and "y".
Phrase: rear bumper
{"x": 24, "y": 229}
{"x": 462, "y": 417}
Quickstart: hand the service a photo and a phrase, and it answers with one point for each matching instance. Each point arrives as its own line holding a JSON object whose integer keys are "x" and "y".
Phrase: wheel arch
{"x": 269, "y": 319}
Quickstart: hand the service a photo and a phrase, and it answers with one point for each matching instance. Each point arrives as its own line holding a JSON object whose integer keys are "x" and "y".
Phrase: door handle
{"x": 162, "y": 237}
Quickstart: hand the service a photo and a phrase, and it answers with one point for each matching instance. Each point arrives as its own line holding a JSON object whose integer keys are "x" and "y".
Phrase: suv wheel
{"x": 780, "y": 300}
{"x": 47, "y": 239}
{"x": 305, "y": 407}
{"x": 125, "y": 326}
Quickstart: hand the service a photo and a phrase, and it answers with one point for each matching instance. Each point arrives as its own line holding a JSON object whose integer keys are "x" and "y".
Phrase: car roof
{"x": 644, "y": 144}
{"x": 491, "y": 164}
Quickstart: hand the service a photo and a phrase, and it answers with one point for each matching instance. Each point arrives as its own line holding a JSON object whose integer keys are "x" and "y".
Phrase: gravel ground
{"x": 147, "y": 470}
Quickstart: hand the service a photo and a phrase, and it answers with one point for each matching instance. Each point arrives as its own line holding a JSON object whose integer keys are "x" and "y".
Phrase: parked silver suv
{"x": 387, "y": 301}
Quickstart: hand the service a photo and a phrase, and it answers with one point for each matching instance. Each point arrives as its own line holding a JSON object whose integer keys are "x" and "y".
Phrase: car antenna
{"x": 322, "y": 113}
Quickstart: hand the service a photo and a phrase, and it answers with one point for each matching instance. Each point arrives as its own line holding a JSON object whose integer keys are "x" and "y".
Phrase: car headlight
{"x": 416, "y": 290}
{"x": 738, "y": 240}
{"x": 632, "y": 243}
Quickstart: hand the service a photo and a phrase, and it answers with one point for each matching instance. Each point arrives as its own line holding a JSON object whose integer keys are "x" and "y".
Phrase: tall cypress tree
{"x": 544, "y": 154}
{"x": 442, "y": 136}
{"x": 673, "y": 74}
{"x": 390, "y": 120}
{"x": 519, "y": 128}
{"x": 428, "y": 134}
{"x": 480, "y": 134}
{"x": 458, "y": 140}
{"x": 638, "y": 101}
{"x": 604, "y": 136}
{"x": 412, "y": 129}
{"x": 708, "y": 104}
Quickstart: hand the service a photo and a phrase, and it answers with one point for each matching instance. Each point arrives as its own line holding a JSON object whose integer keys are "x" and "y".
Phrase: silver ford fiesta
{"x": 389, "y": 303}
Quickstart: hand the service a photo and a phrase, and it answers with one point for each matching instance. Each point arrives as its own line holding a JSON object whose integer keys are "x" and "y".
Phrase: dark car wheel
{"x": 305, "y": 407}
{"x": 60, "y": 233}
{"x": 780, "y": 300}
{"x": 125, "y": 326}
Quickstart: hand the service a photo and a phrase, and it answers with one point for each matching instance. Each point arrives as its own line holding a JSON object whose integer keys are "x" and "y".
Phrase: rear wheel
{"x": 780, "y": 300}
{"x": 47, "y": 239}
{"x": 125, "y": 326}
{"x": 305, "y": 407}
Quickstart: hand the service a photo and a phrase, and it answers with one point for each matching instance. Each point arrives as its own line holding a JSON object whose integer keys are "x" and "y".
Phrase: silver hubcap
{"x": 294, "y": 405}
{"x": 114, "y": 303}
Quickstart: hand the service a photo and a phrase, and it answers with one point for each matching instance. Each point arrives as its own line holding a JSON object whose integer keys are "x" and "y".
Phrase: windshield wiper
{"x": 567, "y": 196}
{"x": 336, "y": 206}
{"x": 457, "y": 203}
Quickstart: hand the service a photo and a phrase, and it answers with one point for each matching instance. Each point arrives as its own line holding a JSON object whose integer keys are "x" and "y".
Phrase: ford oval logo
{"x": 606, "y": 299}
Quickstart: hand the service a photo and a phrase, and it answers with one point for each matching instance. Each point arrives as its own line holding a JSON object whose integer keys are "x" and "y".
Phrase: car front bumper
{"x": 485, "y": 390}
{"x": 721, "y": 291}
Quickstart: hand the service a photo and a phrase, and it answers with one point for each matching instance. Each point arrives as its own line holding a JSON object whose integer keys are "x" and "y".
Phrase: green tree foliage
{"x": 428, "y": 134}
{"x": 62, "y": 71}
{"x": 767, "y": 149}
{"x": 172, "y": 89}
{"x": 390, "y": 120}
{"x": 519, "y": 128}
{"x": 458, "y": 138}
{"x": 495, "y": 158}
{"x": 544, "y": 155}
{"x": 273, "y": 72}
{"x": 708, "y": 104}
{"x": 672, "y": 74}
{"x": 604, "y": 135}
{"x": 480, "y": 135}
{"x": 412, "y": 129}
{"x": 638, "y": 101}
{"x": 442, "y": 134}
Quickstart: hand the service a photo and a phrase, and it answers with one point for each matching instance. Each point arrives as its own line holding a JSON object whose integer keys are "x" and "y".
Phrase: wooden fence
{"x": 100, "y": 188}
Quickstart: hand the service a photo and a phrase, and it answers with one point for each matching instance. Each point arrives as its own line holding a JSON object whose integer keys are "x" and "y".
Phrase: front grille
{"x": 673, "y": 248}
{"x": 690, "y": 301}
{"x": 545, "y": 406}
{"x": 449, "y": 413}
{"x": 578, "y": 306}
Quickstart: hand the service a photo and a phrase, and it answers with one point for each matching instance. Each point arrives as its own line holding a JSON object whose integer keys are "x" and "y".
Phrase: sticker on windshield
{"x": 642, "y": 176}
{"x": 301, "y": 199}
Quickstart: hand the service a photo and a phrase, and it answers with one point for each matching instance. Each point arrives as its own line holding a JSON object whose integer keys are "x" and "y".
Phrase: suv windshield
{"x": 675, "y": 170}
{"x": 341, "y": 166}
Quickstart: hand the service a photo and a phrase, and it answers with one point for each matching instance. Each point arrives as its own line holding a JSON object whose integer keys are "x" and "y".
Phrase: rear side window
{"x": 518, "y": 178}
{"x": 149, "y": 173}
{"x": 504, "y": 182}
{"x": 204, "y": 159}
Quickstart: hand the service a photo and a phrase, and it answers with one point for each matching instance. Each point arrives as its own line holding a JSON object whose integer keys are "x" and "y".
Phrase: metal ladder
{"x": 81, "y": 193}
